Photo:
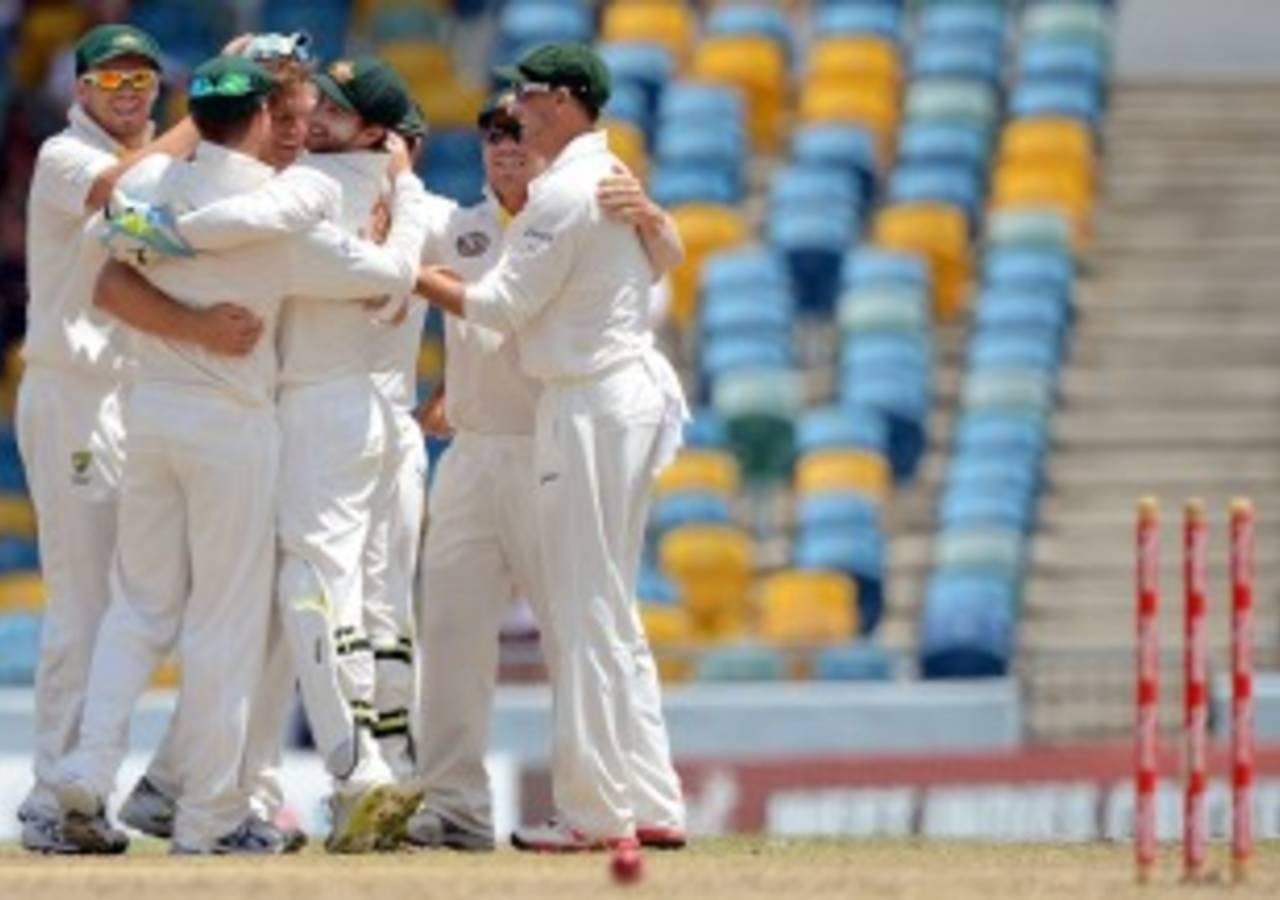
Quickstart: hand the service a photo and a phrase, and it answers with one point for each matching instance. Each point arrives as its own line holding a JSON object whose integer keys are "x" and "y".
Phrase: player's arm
{"x": 533, "y": 269}
{"x": 292, "y": 202}
{"x": 225, "y": 328}
{"x": 328, "y": 263}
{"x": 622, "y": 197}
{"x": 179, "y": 141}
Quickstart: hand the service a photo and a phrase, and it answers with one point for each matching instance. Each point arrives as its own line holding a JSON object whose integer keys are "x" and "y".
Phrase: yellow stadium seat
{"x": 1064, "y": 142}
{"x": 859, "y": 471}
{"x": 670, "y": 24}
{"x": 44, "y": 28}
{"x": 862, "y": 58}
{"x": 17, "y": 516}
{"x": 21, "y": 592}
{"x": 418, "y": 61}
{"x": 449, "y": 104}
{"x": 711, "y": 565}
{"x": 940, "y": 233}
{"x": 871, "y": 105}
{"x": 808, "y": 607}
{"x": 713, "y": 471}
{"x": 627, "y": 143}
{"x": 755, "y": 65}
{"x": 671, "y": 635}
{"x": 430, "y": 360}
{"x": 705, "y": 229}
{"x": 1050, "y": 185}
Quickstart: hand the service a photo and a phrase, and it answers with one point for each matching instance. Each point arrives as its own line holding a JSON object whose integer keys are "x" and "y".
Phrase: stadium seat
{"x": 835, "y": 513}
{"x": 1066, "y": 21}
{"x": 697, "y": 103}
{"x": 688, "y": 508}
{"x": 677, "y": 184}
{"x": 649, "y": 67}
{"x": 953, "y": 59}
{"x": 702, "y": 469}
{"x": 878, "y": 19}
{"x": 628, "y": 143}
{"x": 1021, "y": 349}
{"x": 451, "y": 165}
{"x": 17, "y": 516}
{"x": 860, "y": 660}
{"x": 997, "y": 551}
{"x": 983, "y": 506}
{"x": 858, "y": 471}
{"x": 938, "y": 232}
{"x": 808, "y": 607}
{"x": 1052, "y": 97}
{"x": 671, "y": 636}
{"x": 857, "y": 553}
{"x": 836, "y": 101}
{"x": 801, "y": 187}
{"x": 19, "y": 647}
{"x": 419, "y": 62}
{"x": 744, "y": 269}
{"x": 883, "y": 307}
{"x": 871, "y": 60}
{"x": 994, "y": 433}
{"x": 927, "y": 141}
{"x": 450, "y": 105}
{"x": 1059, "y": 141}
{"x": 1025, "y": 391}
{"x": 1029, "y": 226}
{"x": 742, "y": 662}
{"x": 21, "y": 592}
{"x": 871, "y": 265}
{"x": 1038, "y": 269}
{"x": 18, "y": 554}
{"x": 952, "y": 184}
{"x": 842, "y": 427}
{"x": 966, "y": 628}
{"x": 728, "y": 353}
{"x": 759, "y": 407}
{"x": 1083, "y": 62}
{"x": 671, "y": 25}
{"x": 758, "y": 310}
{"x": 1017, "y": 310}
{"x": 758, "y": 67}
{"x": 629, "y": 103}
{"x": 752, "y": 19}
{"x": 705, "y": 229}
{"x": 813, "y": 241}
{"x": 849, "y": 148}
{"x": 705, "y": 430}
{"x": 711, "y": 564}
{"x": 655, "y": 589}
{"x": 958, "y": 100}
{"x": 905, "y": 404}
{"x": 981, "y": 23}
{"x": 902, "y": 354}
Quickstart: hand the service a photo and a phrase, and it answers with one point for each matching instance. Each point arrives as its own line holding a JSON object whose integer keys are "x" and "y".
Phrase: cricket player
{"x": 195, "y": 557}
{"x": 70, "y": 429}
{"x": 572, "y": 286}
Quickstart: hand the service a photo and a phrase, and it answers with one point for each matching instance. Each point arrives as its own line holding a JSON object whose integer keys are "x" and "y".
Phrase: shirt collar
{"x": 86, "y": 127}
{"x": 584, "y": 146}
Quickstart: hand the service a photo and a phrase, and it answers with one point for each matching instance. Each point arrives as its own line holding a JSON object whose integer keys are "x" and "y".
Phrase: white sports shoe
{"x": 252, "y": 837}
{"x": 149, "y": 810}
{"x": 42, "y": 833}
{"x": 428, "y": 828}
{"x": 554, "y": 836}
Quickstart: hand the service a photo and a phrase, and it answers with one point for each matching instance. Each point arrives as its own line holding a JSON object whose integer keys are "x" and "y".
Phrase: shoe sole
{"x": 591, "y": 847}
{"x": 363, "y": 828}
{"x": 663, "y": 843}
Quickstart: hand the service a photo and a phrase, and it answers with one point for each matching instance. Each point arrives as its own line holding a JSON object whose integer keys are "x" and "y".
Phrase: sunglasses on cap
{"x": 272, "y": 47}
{"x": 232, "y": 84}
{"x": 117, "y": 79}
{"x": 501, "y": 130}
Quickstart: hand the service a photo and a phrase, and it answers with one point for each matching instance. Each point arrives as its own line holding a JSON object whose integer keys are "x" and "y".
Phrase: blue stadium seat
{"x": 674, "y": 184}
{"x": 883, "y": 307}
{"x": 19, "y": 648}
{"x": 813, "y": 243}
{"x": 527, "y": 23}
{"x": 686, "y": 508}
{"x": 944, "y": 142}
{"x": 763, "y": 20}
{"x": 706, "y": 429}
{"x": 988, "y": 433}
{"x": 905, "y": 405}
{"x": 742, "y": 662}
{"x": 647, "y": 66}
{"x": 861, "y": 660}
{"x": 846, "y": 147}
{"x": 687, "y": 144}
{"x": 1056, "y": 97}
{"x": 1014, "y": 308}
{"x": 900, "y": 354}
{"x": 858, "y": 553}
{"x": 629, "y": 103}
{"x": 18, "y": 554}
{"x": 952, "y": 184}
{"x": 760, "y": 309}
{"x": 1081, "y": 61}
{"x": 808, "y": 185}
{"x": 451, "y": 165}
{"x": 836, "y": 512}
{"x": 1027, "y": 268}
{"x": 881, "y": 19}
{"x": 967, "y": 627}
{"x": 969, "y": 22}
{"x": 950, "y": 58}
{"x": 980, "y": 505}
{"x": 995, "y": 349}
{"x": 744, "y": 268}
{"x": 654, "y": 587}
{"x": 842, "y": 426}
{"x": 722, "y": 354}
{"x": 1013, "y": 469}
{"x": 873, "y": 265}
{"x": 697, "y": 104}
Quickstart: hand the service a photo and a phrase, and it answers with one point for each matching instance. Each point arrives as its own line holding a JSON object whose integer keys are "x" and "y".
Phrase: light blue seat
{"x": 808, "y": 185}
{"x": 1037, "y": 269}
{"x": 861, "y": 660}
{"x": 744, "y": 268}
{"x": 858, "y": 553}
{"x": 961, "y": 21}
{"x": 705, "y": 429}
{"x": 1014, "y": 469}
{"x": 967, "y": 627}
{"x": 683, "y": 143}
{"x": 992, "y": 433}
{"x": 851, "y": 427}
{"x": 846, "y": 147}
{"x": 952, "y": 184}
{"x": 992, "y": 551}
{"x": 950, "y": 58}
{"x": 649, "y": 67}
{"x": 904, "y": 401}
{"x": 629, "y": 103}
{"x": 980, "y": 506}
{"x": 1055, "y": 97}
{"x": 1017, "y": 349}
{"x": 1044, "y": 228}
{"x": 674, "y": 184}
{"x": 759, "y": 309}
{"x": 723, "y": 354}
{"x": 1015, "y": 309}
{"x": 19, "y": 648}
{"x": 531, "y": 22}
{"x": 874, "y": 265}
{"x": 893, "y": 353}
{"x": 836, "y": 512}
{"x": 883, "y": 307}
{"x": 1082, "y": 61}
{"x": 654, "y": 587}
{"x": 752, "y": 19}
{"x": 813, "y": 242}
{"x": 742, "y": 662}
{"x": 688, "y": 508}
{"x": 698, "y": 103}
{"x": 883, "y": 19}
{"x": 945, "y": 142}
{"x": 18, "y": 554}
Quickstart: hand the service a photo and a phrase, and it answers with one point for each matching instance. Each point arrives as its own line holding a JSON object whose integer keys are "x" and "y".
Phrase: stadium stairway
{"x": 1173, "y": 390}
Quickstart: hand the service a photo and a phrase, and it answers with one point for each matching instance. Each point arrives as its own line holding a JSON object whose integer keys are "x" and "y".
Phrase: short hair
{"x": 231, "y": 122}
{"x": 289, "y": 76}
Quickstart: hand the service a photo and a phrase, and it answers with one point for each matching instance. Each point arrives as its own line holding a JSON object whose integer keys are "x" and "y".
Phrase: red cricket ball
{"x": 627, "y": 865}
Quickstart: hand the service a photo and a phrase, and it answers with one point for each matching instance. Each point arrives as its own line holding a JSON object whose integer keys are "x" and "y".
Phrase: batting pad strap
{"x": 392, "y": 723}
{"x": 364, "y": 715}
{"x": 348, "y": 640}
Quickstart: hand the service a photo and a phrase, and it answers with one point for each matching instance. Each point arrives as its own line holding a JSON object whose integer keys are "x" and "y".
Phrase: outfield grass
{"x": 729, "y": 868}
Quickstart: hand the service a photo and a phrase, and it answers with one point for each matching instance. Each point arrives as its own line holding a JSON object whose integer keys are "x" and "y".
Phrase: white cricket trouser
{"x": 480, "y": 548}
{"x": 598, "y": 444}
{"x": 193, "y": 564}
{"x": 390, "y": 561}
{"x": 334, "y": 439}
{"x": 71, "y": 438}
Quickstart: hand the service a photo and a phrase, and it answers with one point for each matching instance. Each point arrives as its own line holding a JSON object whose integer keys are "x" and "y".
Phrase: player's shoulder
{"x": 66, "y": 148}
{"x": 147, "y": 177}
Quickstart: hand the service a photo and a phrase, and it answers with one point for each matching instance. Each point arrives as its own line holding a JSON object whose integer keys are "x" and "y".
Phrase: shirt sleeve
{"x": 290, "y": 203}
{"x": 65, "y": 172}
{"x": 534, "y": 266}
{"x": 328, "y": 263}
{"x": 441, "y": 214}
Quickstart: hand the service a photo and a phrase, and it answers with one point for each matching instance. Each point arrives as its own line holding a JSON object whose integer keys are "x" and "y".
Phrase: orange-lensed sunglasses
{"x": 115, "y": 79}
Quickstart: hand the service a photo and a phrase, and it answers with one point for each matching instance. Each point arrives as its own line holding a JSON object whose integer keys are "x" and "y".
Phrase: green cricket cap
{"x": 568, "y": 65}
{"x": 227, "y": 84}
{"x": 414, "y": 124}
{"x": 370, "y": 88}
{"x": 498, "y": 102}
{"x": 107, "y": 42}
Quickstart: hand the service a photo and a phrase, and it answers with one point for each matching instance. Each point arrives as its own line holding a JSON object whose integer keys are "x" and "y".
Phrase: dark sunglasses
{"x": 504, "y": 130}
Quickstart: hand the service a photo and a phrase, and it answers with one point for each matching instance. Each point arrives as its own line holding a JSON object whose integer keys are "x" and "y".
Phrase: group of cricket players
{"x": 219, "y": 422}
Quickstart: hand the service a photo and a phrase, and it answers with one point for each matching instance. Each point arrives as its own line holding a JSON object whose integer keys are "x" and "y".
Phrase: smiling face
{"x": 291, "y": 109}
{"x": 119, "y": 94}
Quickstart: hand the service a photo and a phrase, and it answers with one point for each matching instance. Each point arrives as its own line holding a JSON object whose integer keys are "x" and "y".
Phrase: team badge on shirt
{"x": 80, "y": 462}
{"x": 472, "y": 244}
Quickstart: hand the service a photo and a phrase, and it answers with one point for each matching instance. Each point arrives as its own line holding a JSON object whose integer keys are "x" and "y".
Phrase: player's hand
{"x": 238, "y": 45}
{"x": 380, "y": 221}
{"x": 229, "y": 330}
{"x": 399, "y": 151}
{"x": 431, "y": 416}
{"x": 444, "y": 272}
{"x": 622, "y": 197}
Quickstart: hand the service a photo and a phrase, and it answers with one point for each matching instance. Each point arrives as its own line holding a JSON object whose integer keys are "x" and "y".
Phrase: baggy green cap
{"x": 226, "y": 84}
{"x": 107, "y": 42}
{"x": 370, "y": 88}
{"x": 568, "y": 65}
